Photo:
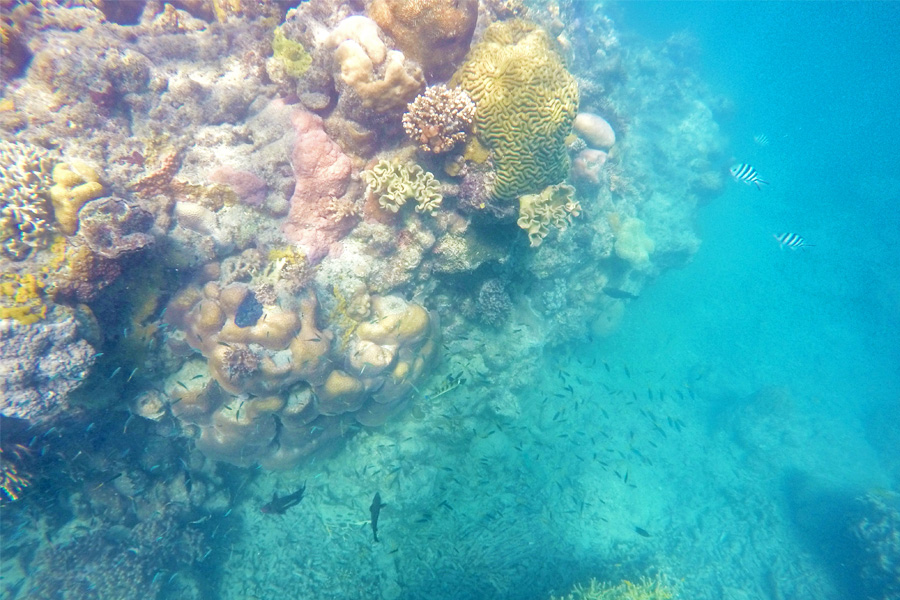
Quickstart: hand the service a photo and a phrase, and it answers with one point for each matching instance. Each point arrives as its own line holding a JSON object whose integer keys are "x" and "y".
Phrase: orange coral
{"x": 436, "y": 33}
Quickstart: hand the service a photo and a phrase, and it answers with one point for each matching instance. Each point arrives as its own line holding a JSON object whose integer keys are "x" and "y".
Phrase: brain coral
{"x": 526, "y": 101}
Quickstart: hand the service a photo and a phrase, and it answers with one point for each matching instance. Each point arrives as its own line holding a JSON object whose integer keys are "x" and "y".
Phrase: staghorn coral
{"x": 392, "y": 184}
{"x": 367, "y": 73}
{"x": 25, "y": 212}
{"x": 113, "y": 227}
{"x": 436, "y": 33}
{"x": 74, "y": 183}
{"x": 554, "y": 206}
{"x": 526, "y": 101}
{"x": 439, "y": 119}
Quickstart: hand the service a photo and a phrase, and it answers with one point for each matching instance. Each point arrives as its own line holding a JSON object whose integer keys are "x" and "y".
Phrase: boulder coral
{"x": 436, "y": 33}
{"x": 526, "y": 101}
{"x": 632, "y": 242}
{"x": 367, "y": 72}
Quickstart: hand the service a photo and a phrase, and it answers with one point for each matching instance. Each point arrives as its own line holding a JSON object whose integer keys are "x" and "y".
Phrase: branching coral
{"x": 393, "y": 184}
{"x": 554, "y": 206}
{"x": 439, "y": 119}
{"x": 25, "y": 214}
{"x": 526, "y": 101}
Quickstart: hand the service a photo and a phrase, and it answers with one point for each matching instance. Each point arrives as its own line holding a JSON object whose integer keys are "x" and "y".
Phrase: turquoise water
{"x": 734, "y": 431}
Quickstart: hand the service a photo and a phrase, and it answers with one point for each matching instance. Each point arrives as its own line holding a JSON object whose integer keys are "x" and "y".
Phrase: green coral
{"x": 393, "y": 184}
{"x": 555, "y": 206}
{"x": 26, "y": 214}
{"x": 293, "y": 55}
{"x": 526, "y": 101}
{"x": 656, "y": 588}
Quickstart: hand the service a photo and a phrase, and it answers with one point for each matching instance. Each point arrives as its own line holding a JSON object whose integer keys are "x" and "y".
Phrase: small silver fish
{"x": 747, "y": 174}
{"x": 761, "y": 140}
{"x": 790, "y": 240}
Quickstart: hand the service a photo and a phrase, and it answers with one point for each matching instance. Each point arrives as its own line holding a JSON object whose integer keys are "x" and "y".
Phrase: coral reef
{"x": 655, "y": 588}
{"x": 392, "y": 184}
{"x": 594, "y": 130}
{"x": 40, "y": 364}
{"x": 526, "y": 101}
{"x": 74, "y": 183}
{"x": 436, "y": 33}
{"x": 555, "y": 206}
{"x": 632, "y": 242}
{"x": 439, "y": 119}
{"x": 322, "y": 173}
{"x": 369, "y": 76}
{"x": 26, "y": 213}
{"x": 113, "y": 227}
{"x": 876, "y": 531}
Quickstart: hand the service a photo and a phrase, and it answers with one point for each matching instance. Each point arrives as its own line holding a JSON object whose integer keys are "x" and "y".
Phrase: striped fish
{"x": 790, "y": 240}
{"x": 761, "y": 140}
{"x": 747, "y": 174}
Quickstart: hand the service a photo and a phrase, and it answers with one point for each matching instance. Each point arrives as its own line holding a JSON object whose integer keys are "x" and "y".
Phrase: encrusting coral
{"x": 555, "y": 206}
{"x": 393, "y": 184}
{"x": 439, "y": 119}
{"x": 25, "y": 214}
{"x": 632, "y": 242}
{"x": 526, "y": 101}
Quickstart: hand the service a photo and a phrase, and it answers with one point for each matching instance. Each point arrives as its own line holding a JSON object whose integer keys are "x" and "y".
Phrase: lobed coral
{"x": 25, "y": 213}
{"x": 392, "y": 184}
{"x": 554, "y": 206}
{"x": 439, "y": 119}
{"x": 74, "y": 183}
{"x": 526, "y": 101}
{"x": 436, "y": 33}
{"x": 367, "y": 73}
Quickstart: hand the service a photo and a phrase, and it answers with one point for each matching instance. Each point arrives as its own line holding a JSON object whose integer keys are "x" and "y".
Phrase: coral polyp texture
{"x": 392, "y": 184}
{"x": 275, "y": 386}
{"x": 436, "y": 33}
{"x": 439, "y": 119}
{"x": 526, "y": 101}
{"x": 26, "y": 214}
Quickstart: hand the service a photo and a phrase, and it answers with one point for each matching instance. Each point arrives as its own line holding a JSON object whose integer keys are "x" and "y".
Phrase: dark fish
{"x": 278, "y": 506}
{"x": 641, "y": 531}
{"x": 248, "y": 311}
{"x": 374, "y": 511}
{"x": 627, "y": 372}
{"x": 618, "y": 294}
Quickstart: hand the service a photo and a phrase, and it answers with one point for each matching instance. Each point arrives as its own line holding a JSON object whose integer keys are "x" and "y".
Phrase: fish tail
{"x": 758, "y": 182}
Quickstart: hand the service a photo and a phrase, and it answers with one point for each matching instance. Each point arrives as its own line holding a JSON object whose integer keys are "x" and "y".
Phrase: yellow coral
{"x": 74, "y": 184}
{"x": 554, "y": 206}
{"x": 24, "y": 293}
{"x": 393, "y": 184}
{"x": 526, "y": 101}
{"x": 647, "y": 588}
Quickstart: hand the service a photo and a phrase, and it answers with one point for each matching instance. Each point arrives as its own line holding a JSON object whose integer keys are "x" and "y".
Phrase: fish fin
{"x": 760, "y": 181}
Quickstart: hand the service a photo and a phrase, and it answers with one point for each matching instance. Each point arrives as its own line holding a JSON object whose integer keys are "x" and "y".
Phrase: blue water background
{"x": 821, "y": 80}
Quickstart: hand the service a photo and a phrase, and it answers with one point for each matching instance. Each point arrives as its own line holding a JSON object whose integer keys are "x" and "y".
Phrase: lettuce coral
{"x": 554, "y": 206}
{"x": 526, "y": 101}
{"x": 393, "y": 184}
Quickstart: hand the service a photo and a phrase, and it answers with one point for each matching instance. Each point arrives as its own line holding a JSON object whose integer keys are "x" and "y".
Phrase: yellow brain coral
{"x": 526, "y": 101}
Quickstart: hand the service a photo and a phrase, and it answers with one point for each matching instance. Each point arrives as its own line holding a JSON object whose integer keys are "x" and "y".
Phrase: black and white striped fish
{"x": 790, "y": 240}
{"x": 761, "y": 140}
{"x": 747, "y": 174}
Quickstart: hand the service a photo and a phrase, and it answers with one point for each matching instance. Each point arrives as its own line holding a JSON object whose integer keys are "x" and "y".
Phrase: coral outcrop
{"x": 526, "y": 101}
{"x": 25, "y": 213}
{"x": 74, "y": 183}
{"x": 436, "y": 33}
{"x": 113, "y": 227}
{"x": 322, "y": 172}
{"x": 392, "y": 184}
{"x": 632, "y": 242}
{"x": 40, "y": 365}
{"x": 439, "y": 119}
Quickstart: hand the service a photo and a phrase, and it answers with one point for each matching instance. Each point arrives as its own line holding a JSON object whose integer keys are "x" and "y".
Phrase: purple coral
{"x": 112, "y": 227}
{"x": 40, "y": 365}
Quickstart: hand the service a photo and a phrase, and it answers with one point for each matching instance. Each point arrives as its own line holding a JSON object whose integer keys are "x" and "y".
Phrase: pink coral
{"x": 322, "y": 173}
{"x": 248, "y": 186}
